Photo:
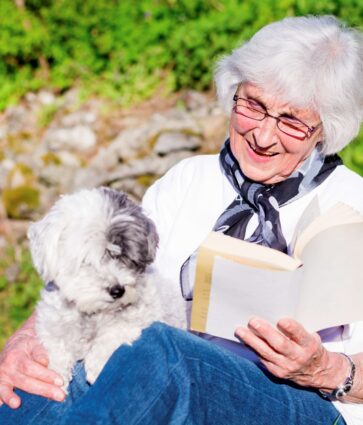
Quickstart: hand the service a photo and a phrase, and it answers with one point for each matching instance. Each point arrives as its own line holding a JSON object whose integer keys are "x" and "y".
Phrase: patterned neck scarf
{"x": 264, "y": 201}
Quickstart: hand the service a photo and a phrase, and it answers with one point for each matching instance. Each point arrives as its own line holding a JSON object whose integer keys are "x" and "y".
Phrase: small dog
{"x": 93, "y": 250}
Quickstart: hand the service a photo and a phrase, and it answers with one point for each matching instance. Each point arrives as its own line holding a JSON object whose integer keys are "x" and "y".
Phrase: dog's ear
{"x": 43, "y": 238}
{"x": 133, "y": 242}
{"x": 132, "y": 237}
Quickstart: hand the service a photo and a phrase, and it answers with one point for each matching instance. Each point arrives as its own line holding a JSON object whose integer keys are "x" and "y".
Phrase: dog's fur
{"x": 94, "y": 250}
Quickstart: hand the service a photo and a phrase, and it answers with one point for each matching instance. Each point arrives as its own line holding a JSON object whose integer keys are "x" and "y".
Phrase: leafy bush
{"x": 19, "y": 290}
{"x": 125, "y": 49}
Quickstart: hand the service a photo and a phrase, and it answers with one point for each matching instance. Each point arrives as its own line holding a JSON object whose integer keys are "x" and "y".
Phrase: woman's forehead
{"x": 275, "y": 102}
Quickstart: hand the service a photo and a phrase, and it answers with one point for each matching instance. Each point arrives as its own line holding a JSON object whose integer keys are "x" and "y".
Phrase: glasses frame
{"x": 308, "y": 133}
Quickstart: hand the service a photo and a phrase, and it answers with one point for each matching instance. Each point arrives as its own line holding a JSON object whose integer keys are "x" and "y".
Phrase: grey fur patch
{"x": 137, "y": 238}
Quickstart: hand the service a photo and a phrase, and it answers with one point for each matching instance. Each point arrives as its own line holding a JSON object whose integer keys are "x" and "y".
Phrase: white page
{"x": 332, "y": 293}
{"x": 311, "y": 212}
{"x": 265, "y": 293}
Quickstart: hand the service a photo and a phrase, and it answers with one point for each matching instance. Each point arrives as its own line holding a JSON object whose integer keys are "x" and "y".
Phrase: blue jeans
{"x": 171, "y": 377}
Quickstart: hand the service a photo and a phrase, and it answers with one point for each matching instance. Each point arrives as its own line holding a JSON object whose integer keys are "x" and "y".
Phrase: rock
{"x": 58, "y": 176}
{"x": 214, "y": 129}
{"x": 80, "y": 150}
{"x": 193, "y": 100}
{"x": 138, "y": 142}
{"x": 105, "y": 159}
{"x": 131, "y": 143}
{"x": 16, "y": 119}
{"x": 3, "y": 132}
{"x": 68, "y": 159}
{"x": 175, "y": 141}
{"x": 78, "y": 118}
{"x": 87, "y": 178}
{"x": 46, "y": 97}
{"x": 150, "y": 165}
{"x": 79, "y": 138}
{"x": 134, "y": 189}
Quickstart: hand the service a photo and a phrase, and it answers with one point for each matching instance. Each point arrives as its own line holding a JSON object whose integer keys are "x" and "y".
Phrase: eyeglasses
{"x": 290, "y": 126}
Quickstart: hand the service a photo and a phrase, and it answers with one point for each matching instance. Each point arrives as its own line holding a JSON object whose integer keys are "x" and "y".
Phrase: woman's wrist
{"x": 341, "y": 390}
{"x": 27, "y": 329}
{"x": 335, "y": 372}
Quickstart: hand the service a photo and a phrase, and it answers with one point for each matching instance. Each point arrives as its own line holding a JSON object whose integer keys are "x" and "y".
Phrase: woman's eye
{"x": 293, "y": 122}
{"x": 255, "y": 105}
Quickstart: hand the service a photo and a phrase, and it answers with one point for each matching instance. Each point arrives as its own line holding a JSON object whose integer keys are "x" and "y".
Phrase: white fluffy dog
{"x": 93, "y": 250}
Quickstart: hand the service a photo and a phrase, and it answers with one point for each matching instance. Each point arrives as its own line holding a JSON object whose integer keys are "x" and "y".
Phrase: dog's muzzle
{"x": 116, "y": 291}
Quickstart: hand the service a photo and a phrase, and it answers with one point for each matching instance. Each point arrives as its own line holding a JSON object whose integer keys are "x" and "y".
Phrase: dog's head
{"x": 94, "y": 245}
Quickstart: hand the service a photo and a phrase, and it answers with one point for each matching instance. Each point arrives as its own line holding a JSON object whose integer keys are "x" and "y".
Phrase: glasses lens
{"x": 292, "y": 130}
{"x": 249, "y": 112}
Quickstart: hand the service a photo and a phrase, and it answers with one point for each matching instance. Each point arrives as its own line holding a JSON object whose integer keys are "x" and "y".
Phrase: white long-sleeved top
{"x": 187, "y": 201}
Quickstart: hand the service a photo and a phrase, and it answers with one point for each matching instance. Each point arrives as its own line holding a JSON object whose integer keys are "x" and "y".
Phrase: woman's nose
{"x": 265, "y": 134}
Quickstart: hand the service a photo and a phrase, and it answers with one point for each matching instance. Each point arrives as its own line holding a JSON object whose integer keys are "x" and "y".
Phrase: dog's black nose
{"x": 116, "y": 291}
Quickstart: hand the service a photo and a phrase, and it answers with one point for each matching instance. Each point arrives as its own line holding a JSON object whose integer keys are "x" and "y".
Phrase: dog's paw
{"x": 93, "y": 369}
{"x": 62, "y": 364}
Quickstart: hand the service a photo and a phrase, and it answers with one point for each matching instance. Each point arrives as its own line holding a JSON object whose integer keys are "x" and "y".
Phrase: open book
{"x": 320, "y": 285}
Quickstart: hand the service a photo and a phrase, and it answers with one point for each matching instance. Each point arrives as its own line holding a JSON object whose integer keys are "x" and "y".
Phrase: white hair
{"x": 310, "y": 62}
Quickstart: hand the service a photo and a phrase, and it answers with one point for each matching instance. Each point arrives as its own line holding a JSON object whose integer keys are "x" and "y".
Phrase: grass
{"x": 19, "y": 289}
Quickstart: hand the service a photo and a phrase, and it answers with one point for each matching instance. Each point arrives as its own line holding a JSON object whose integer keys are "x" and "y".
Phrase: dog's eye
{"x": 86, "y": 265}
{"x": 113, "y": 255}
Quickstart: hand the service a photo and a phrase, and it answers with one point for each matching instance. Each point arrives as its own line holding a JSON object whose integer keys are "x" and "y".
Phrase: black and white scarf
{"x": 262, "y": 200}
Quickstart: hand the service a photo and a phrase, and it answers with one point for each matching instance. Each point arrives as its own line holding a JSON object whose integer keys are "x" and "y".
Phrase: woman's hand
{"x": 290, "y": 352}
{"x": 23, "y": 365}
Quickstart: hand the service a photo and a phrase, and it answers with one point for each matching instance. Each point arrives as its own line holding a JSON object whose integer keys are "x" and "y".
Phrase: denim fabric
{"x": 171, "y": 377}
{"x": 36, "y": 410}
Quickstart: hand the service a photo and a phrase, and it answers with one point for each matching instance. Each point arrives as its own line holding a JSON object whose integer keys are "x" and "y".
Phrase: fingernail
{"x": 58, "y": 381}
{"x": 58, "y": 395}
{"x": 14, "y": 403}
{"x": 240, "y": 333}
{"x": 254, "y": 323}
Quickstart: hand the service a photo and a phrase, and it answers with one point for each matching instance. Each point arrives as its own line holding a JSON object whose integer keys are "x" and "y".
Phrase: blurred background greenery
{"x": 126, "y": 51}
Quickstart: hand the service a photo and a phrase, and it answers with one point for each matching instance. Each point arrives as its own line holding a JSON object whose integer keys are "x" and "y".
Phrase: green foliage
{"x": 125, "y": 49}
{"x": 19, "y": 201}
{"x": 20, "y": 196}
{"x": 18, "y": 293}
{"x": 352, "y": 155}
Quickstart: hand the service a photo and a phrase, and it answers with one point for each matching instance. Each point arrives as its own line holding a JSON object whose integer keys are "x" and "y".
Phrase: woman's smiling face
{"x": 264, "y": 153}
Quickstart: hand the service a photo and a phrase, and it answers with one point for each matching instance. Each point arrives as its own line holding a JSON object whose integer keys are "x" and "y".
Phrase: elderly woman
{"x": 295, "y": 96}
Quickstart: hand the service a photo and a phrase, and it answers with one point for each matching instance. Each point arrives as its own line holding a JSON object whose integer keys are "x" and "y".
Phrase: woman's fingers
{"x": 41, "y": 388}
{"x": 258, "y": 344}
{"x": 8, "y": 396}
{"x": 278, "y": 342}
{"x": 23, "y": 365}
{"x": 289, "y": 352}
{"x": 39, "y": 354}
{"x": 39, "y": 372}
{"x": 294, "y": 331}
{"x": 37, "y": 380}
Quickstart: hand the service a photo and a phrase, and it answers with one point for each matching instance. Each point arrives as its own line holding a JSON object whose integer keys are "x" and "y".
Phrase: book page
{"x": 248, "y": 253}
{"x": 202, "y": 288}
{"x": 338, "y": 214}
{"x": 332, "y": 287}
{"x": 237, "y": 279}
{"x": 252, "y": 255}
{"x": 311, "y": 212}
{"x": 239, "y": 292}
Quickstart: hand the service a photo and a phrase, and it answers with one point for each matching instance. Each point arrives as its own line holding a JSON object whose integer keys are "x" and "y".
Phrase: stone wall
{"x": 55, "y": 144}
